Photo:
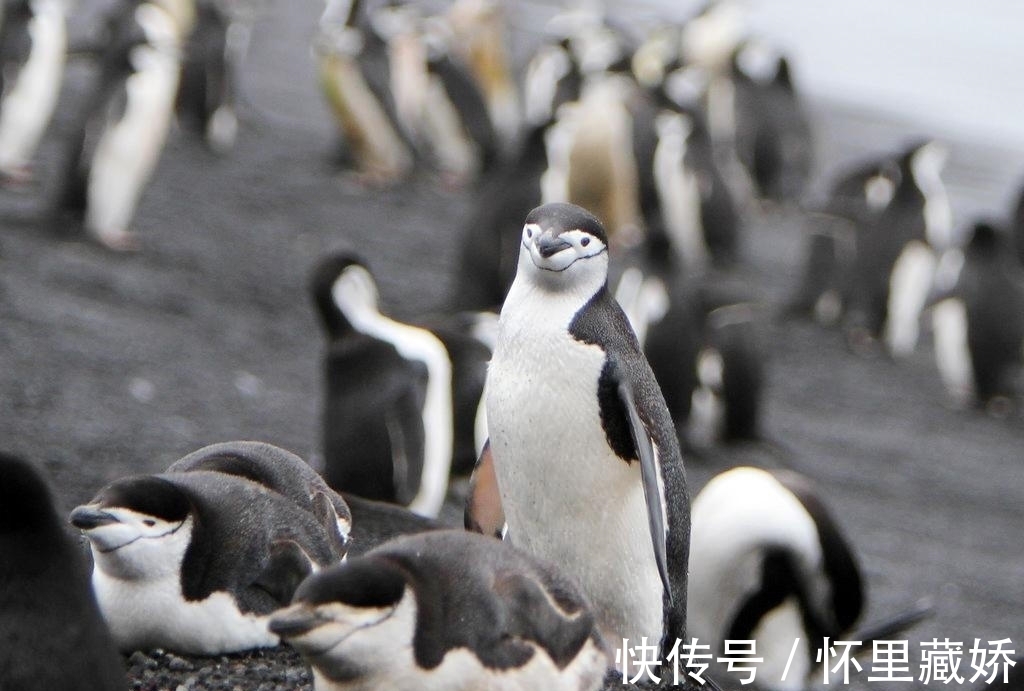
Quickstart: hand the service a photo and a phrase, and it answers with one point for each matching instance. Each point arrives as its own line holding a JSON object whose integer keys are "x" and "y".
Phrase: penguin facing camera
{"x": 574, "y": 413}
{"x": 196, "y": 561}
{"x": 444, "y": 610}
{"x": 978, "y": 320}
{"x": 51, "y": 633}
{"x": 33, "y": 48}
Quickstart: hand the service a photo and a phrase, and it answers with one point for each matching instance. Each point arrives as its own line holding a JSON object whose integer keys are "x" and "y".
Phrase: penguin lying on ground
{"x": 195, "y": 561}
{"x": 51, "y": 633}
{"x": 445, "y": 610}
{"x": 978, "y": 320}
{"x": 400, "y": 400}
{"x": 583, "y": 448}
{"x": 33, "y": 46}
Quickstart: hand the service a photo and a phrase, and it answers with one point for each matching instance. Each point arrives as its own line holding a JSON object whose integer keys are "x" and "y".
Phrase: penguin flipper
{"x": 484, "y": 513}
{"x": 649, "y": 474}
{"x": 287, "y": 566}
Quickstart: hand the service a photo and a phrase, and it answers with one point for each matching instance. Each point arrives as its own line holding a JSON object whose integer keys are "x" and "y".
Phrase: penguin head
{"x": 924, "y": 161}
{"x": 564, "y": 247}
{"x": 349, "y": 618}
{"x": 138, "y": 527}
{"x": 25, "y": 504}
{"x": 342, "y": 289}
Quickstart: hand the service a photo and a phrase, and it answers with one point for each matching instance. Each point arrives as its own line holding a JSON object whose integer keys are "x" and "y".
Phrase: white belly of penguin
{"x": 568, "y": 499}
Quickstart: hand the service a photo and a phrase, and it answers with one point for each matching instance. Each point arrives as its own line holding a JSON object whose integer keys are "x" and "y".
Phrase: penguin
{"x": 116, "y": 145}
{"x": 51, "y": 633}
{"x": 773, "y": 138}
{"x": 584, "y": 450}
{"x": 444, "y": 610}
{"x": 278, "y": 470}
{"x": 978, "y": 319}
{"x": 769, "y": 563}
{"x": 208, "y": 86}
{"x": 897, "y": 252}
{"x": 388, "y": 411}
{"x": 354, "y": 75}
{"x": 196, "y": 561}
{"x": 33, "y": 48}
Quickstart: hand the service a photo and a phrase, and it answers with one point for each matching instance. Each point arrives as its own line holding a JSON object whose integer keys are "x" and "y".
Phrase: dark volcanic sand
{"x": 112, "y": 365}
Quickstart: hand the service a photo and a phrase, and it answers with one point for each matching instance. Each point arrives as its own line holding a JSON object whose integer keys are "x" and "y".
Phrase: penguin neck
{"x": 547, "y": 298}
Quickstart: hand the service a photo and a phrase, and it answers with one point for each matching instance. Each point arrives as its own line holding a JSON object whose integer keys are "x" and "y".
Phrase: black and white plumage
{"x": 278, "y": 470}
{"x": 585, "y": 453}
{"x": 768, "y": 563}
{"x": 444, "y": 610}
{"x": 388, "y": 415}
{"x": 33, "y": 46}
{"x": 978, "y": 318}
{"x": 116, "y": 143}
{"x": 195, "y": 561}
{"x": 51, "y": 633}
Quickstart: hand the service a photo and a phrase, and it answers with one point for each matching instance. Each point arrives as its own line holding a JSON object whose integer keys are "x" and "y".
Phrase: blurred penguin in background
{"x": 978, "y": 320}
{"x": 354, "y": 74}
{"x": 118, "y": 140}
{"x": 52, "y": 635}
{"x": 210, "y": 75}
{"x": 773, "y": 138}
{"x": 33, "y": 47}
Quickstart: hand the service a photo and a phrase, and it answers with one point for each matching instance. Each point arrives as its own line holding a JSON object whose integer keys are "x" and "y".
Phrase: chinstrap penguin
{"x": 445, "y": 610}
{"x": 196, "y": 561}
{"x": 584, "y": 450}
{"x": 51, "y": 633}
{"x": 769, "y": 563}
{"x": 388, "y": 415}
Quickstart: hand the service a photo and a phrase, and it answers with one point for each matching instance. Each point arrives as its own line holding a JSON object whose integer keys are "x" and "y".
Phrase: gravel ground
{"x": 112, "y": 365}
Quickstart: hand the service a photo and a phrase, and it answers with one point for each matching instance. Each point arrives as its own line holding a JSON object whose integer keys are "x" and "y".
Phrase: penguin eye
{"x": 529, "y": 232}
{"x": 585, "y": 241}
{"x": 149, "y": 522}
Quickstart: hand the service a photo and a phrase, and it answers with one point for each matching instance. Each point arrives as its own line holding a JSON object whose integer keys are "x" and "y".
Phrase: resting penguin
{"x": 387, "y": 420}
{"x": 978, "y": 319}
{"x": 33, "y": 44}
{"x": 51, "y": 633}
{"x": 276, "y": 469}
{"x": 583, "y": 448}
{"x": 446, "y": 610}
{"x": 196, "y": 561}
{"x": 768, "y": 563}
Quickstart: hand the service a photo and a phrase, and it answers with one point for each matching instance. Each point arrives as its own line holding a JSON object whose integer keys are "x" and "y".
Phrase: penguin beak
{"x": 294, "y": 621}
{"x": 89, "y": 517}
{"x": 549, "y": 245}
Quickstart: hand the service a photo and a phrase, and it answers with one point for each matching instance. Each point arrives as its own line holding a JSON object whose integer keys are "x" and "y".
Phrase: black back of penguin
{"x": 51, "y": 633}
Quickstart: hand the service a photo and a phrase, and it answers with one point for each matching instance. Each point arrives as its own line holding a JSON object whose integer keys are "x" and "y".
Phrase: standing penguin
{"x": 387, "y": 421}
{"x": 33, "y": 46}
{"x": 978, "y": 319}
{"x": 196, "y": 561}
{"x": 51, "y": 633}
{"x": 768, "y": 563}
{"x": 116, "y": 146}
{"x": 444, "y": 610}
{"x": 583, "y": 447}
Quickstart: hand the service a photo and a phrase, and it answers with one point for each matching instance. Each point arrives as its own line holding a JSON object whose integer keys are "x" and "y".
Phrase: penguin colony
{"x": 614, "y": 182}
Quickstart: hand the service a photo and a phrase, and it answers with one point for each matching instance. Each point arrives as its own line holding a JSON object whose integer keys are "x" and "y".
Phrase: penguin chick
{"x": 195, "y": 561}
{"x": 444, "y": 610}
{"x": 51, "y": 633}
